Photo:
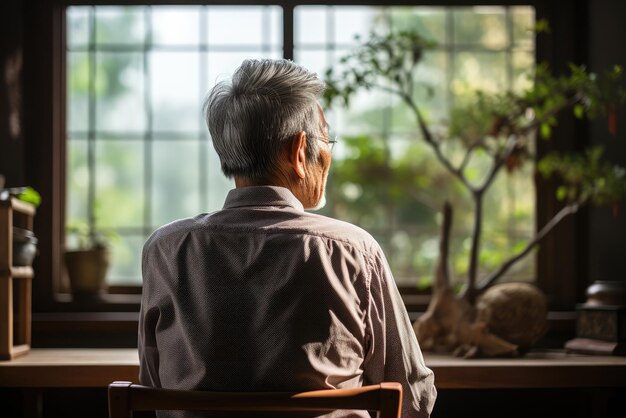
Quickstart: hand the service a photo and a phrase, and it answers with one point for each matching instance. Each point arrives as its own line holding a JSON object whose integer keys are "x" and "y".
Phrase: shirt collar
{"x": 262, "y": 196}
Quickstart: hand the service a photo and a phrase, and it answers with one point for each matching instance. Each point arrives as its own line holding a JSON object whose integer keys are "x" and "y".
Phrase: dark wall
{"x": 11, "y": 62}
{"x": 607, "y": 231}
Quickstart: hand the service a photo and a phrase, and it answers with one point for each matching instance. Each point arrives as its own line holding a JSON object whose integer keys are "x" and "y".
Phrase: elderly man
{"x": 262, "y": 295}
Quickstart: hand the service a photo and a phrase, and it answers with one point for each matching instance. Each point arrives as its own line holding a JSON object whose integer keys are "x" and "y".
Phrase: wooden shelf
{"x": 20, "y": 206}
{"x": 25, "y": 272}
{"x": 14, "y": 342}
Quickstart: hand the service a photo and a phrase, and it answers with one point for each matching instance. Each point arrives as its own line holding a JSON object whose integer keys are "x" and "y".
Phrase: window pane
{"x": 430, "y": 89}
{"x": 523, "y": 24}
{"x": 481, "y": 25}
{"x": 428, "y": 21}
{"x": 310, "y": 25}
{"x": 119, "y": 91}
{"x": 484, "y": 71}
{"x": 125, "y": 260}
{"x": 78, "y": 181}
{"x": 354, "y": 21}
{"x": 119, "y": 183}
{"x": 176, "y": 25}
{"x": 523, "y": 63}
{"x": 248, "y": 26}
{"x": 175, "y": 169}
{"x": 175, "y": 91}
{"x": 77, "y": 91}
{"x": 275, "y": 26}
{"x": 120, "y": 25}
{"x": 78, "y": 26}
{"x": 368, "y": 112}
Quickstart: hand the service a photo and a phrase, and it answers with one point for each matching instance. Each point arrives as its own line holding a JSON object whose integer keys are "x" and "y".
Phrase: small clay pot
{"x": 24, "y": 247}
{"x": 87, "y": 270}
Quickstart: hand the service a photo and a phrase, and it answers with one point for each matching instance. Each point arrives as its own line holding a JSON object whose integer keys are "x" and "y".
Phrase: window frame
{"x": 45, "y": 148}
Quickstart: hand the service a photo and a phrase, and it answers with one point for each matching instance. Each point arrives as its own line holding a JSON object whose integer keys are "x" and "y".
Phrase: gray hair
{"x": 266, "y": 104}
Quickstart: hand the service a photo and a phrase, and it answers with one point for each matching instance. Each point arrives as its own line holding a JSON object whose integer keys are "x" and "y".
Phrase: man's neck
{"x": 245, "y": 182}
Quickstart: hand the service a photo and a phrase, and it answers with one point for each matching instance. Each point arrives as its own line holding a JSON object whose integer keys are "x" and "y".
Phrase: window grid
{"x": 451, "y": 49}
{"x": 149, "y": 135}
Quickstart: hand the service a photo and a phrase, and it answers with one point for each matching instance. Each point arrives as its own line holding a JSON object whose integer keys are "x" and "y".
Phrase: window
{"x": 139, "y": 154}
{"x": 487, "y": 48}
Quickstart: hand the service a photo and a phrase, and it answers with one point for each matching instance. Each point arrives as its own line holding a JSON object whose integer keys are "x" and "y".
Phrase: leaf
{"x": 519, "y": 247}
{"x": 545, "y": 130}
{"x": 579, "y": 111}
{"x": 616, "y": 72}
{"x": 561, "y": 193}
{"x": 542, "y": 26}
{"x": 31, "y": 196}
{"x": 425, "y": 282}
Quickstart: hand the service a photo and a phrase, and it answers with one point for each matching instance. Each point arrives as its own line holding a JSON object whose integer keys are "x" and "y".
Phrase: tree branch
{"x": 469, "y": 152}
{"x": 442, "y": 278}
{"x": 565, "y": 211}
{"x": 511, "y": 143}
{"x": 470, "y": 290}
{"x": 428, "y": 137}
{"x": 533, "y": 125}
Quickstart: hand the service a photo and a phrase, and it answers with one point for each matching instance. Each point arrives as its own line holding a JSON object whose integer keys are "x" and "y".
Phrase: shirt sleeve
{"x": 394, "y": 354}
{"x": 148, "y": 318}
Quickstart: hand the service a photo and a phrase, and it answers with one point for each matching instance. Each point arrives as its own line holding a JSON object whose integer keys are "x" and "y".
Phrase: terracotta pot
{"x": 87, "y": 271}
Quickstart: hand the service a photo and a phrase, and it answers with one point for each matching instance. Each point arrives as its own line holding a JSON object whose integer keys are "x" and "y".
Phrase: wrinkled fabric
{"x": 264, "y": 296}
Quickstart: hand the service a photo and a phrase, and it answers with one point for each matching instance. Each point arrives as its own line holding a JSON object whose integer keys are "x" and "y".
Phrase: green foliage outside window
{"x": 387, "y": 181}
{"x": 121, "y": 126}
{"x": 496, "y": 130}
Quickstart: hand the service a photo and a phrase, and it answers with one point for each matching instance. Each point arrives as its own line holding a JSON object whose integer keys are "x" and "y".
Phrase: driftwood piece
{"x": 503, "y": 322}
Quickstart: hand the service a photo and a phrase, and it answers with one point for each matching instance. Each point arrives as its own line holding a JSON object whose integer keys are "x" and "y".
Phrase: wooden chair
{"x": 126, "y": 397}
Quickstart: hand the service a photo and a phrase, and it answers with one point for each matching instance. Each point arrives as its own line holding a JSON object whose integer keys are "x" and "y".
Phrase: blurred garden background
{"x": 139, "y": 154}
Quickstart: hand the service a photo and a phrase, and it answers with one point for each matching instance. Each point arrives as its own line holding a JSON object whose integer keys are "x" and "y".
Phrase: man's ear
{"x": 297, "y": 154}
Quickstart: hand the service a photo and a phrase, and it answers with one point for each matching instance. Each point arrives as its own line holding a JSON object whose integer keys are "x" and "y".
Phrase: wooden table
{"x": 69, "y": 367}
{"x": 49, "y": 368}
{"x": 548, "y": 369}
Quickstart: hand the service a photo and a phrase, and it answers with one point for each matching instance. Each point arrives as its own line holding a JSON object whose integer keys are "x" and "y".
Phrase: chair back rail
{"x": 125, "y": 397}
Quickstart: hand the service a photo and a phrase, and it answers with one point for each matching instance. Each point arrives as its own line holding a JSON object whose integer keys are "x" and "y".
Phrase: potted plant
{"x": 88, "y": 261}
{"x": 486, "y": 318}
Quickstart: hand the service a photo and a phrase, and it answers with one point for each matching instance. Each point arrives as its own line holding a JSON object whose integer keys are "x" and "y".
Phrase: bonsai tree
{"x": 501, "y": 127}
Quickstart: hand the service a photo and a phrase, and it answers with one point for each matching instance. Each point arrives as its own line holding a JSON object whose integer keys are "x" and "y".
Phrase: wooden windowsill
{"x": 557, "y": 320}
{"x": 119, "y": 329}
{"x": 542, "y": 369}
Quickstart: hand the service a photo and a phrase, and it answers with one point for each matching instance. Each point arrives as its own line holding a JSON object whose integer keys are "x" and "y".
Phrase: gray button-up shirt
{"x": 263, "y": 296}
